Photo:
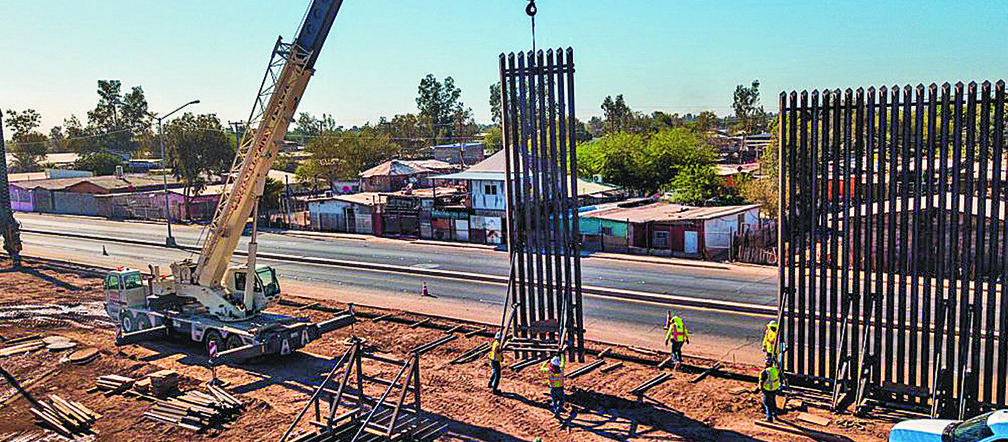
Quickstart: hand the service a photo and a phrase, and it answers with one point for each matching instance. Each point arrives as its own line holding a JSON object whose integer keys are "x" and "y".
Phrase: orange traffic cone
{"x": 424, "y": 291}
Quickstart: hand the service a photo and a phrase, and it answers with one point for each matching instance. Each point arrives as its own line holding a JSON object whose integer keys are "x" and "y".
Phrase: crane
{"x": 212, "y": 301}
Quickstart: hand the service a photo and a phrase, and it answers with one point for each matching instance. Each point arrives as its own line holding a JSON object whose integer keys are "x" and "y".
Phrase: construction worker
{"x": 554, "y": 369}
{"x": 770, "y": 340}
{"x": 769, "y": 382}
{"x": 678, "y": 334}
{"x": 496, "y": 356}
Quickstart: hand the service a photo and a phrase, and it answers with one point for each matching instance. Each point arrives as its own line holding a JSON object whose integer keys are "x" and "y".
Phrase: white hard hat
{"x": 497, "y": 336}
{"x": 555, "y": 361}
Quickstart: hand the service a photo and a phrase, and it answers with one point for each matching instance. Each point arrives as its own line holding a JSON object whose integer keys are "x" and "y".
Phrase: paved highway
{"x": 628, "y": 322}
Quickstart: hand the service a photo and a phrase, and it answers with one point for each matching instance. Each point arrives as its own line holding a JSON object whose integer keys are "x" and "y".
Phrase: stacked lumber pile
{"x": 196, "y": 410}
{"x": 113, "y": 384}
{"x": 159, "y": 383}
{"x": 67, "y": 418}
{"x": 26, "y": 344}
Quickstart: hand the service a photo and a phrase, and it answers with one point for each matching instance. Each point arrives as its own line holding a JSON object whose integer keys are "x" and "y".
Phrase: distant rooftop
{"x": 662, "y": 211}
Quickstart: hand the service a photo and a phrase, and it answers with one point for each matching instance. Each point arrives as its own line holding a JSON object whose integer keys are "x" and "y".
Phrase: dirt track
{"x": 600, "y": 409}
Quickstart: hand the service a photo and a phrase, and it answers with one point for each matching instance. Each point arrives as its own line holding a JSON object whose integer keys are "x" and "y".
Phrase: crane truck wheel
{"x": 142, "y": 322}
{"x": 213, "y": 336}
{"x": 126, "y": 321}
{"x": 234, "y": 341}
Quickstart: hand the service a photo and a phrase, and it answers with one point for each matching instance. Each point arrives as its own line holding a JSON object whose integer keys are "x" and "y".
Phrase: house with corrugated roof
{"x": 393, "y": 175}
{"x": 661, "y": 228}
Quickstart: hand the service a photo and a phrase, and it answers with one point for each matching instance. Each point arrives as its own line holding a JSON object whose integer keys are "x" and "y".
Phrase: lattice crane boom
{"x": 291, "y": 66}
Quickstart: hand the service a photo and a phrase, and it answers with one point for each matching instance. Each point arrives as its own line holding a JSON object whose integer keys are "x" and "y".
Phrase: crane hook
{"x": 531, "y": 8}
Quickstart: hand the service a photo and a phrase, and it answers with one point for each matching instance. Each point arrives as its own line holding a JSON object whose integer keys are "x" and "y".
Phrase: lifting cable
{"x": 531, "y": 10}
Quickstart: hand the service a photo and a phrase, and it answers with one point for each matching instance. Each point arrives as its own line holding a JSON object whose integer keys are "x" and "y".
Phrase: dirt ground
{"x": 48, "y": 302}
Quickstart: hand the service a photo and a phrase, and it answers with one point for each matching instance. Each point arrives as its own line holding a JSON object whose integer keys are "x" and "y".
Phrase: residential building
{"x": 393, "y": 175}
{"x": 76, "y": 195}
{"x": 660, "y": 228}
{"x": 354, "y": 213}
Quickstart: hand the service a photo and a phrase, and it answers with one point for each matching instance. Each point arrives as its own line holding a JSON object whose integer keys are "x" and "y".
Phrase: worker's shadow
{"x": 30, "y": 271}
{"x": 620, "y": 419}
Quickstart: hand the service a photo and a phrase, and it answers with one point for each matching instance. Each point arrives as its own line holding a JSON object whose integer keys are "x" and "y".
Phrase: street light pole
{"x": 169, "y": 240}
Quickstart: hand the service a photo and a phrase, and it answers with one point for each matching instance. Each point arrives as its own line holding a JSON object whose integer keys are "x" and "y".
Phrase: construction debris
{"x": 793, "y": 429}
{"x": 521, "y": 365}
{"x": 196, "y": 410}
{"x": 382, "y": 317}
{"x": 67, "y": 418}
{"x": 419, "y": 323}
{"x": 475, "y": 332}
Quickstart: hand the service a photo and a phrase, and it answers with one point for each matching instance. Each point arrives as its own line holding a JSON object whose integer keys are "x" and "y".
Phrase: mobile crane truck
{"x": 210, "y": 301}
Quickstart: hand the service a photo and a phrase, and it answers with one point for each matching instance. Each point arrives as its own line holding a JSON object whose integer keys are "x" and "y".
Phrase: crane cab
{"x": 124, "y": 288}
{"x": 267, "y": 288}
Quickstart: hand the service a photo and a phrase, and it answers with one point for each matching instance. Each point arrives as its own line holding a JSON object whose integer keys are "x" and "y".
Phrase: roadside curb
{"x": 661, "y": 261}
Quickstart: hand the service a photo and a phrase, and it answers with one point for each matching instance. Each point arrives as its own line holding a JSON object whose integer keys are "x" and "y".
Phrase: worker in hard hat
{"x": 678, "y": 334}
{"x": 496, "y": 356}
{"x": 769, "y": 382}
{"x": 554, "y": 370}
{"x": 770, "y": 340}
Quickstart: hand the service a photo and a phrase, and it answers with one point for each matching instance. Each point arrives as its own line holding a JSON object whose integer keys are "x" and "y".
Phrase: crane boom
{"x": 273, "y": 111}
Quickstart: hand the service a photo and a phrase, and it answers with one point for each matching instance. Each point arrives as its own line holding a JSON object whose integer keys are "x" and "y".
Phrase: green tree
{"x": 706, "y": 121}
{"x": 616, "y": 112}
{"x": 695, "y": 184}
{"x": 493, "y": 141}
{"x": 495, "y": 103}
{"x": 343, "y": 155}
{"x": 27, "y": 145}
{"x": 764, "y": 189}
{"x": 669, "y": 152}
{"x": 272, "y": 189}
{"x": 120, "y": 122}
{"x": 99, "y": 163}
{"x": 749, "y": 115}
{"x": 619, "y": 158}
{"x": 197, "y": 148}
{"x": 79, "y": 139}
{"x": 441, "y": 104}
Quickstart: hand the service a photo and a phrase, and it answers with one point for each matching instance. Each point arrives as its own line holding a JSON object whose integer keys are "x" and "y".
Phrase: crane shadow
{"x": 298, "y": 371}
{"x": 31, "y": 271}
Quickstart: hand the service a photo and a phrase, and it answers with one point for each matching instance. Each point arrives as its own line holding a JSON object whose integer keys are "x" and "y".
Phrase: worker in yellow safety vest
{"x": 496, "y": 356}
{"x": 769, "y": 382}
{"x": 770, "y": 341}
{"x": 555, "y": 372}
{"x": 677, "y": 333}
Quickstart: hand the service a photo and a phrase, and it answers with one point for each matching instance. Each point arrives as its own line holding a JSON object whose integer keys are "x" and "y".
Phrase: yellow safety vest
{"x": 495, "y": 353}
{"x": 770, "y": 341}
{"x": 771, "y": 379}
{"x": 677, "y": 330}
{"x": 556, "y": 378}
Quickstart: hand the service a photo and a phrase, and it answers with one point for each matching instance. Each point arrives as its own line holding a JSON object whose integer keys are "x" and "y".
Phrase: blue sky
{"x": 676, "y": 56}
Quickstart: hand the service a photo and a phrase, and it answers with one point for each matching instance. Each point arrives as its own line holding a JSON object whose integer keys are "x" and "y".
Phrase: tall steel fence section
{"x": 543, "y": 313}
{"x": 892, "y": 242}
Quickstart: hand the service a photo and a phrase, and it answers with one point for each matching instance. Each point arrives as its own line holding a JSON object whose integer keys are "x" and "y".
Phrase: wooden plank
{"x": 813, "y": 419}
{"x": 382, "y": 317}
{"x": 612, "y": 367}
{"x": 474, "y": 332}
{"x": 419, "y": 323}
{"x": 706, "y": 373}
{"x": 605, "y": 352}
